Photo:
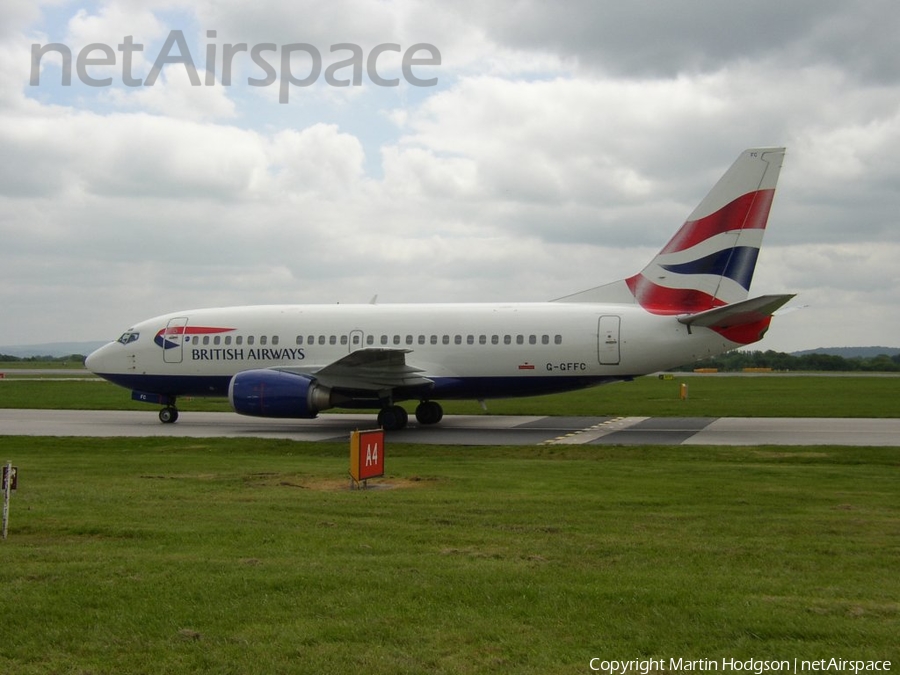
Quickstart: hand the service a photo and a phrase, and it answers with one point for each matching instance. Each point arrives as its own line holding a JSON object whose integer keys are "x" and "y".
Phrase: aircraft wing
{"x": 371, "y": 369}
{"x": 746, "y": 312}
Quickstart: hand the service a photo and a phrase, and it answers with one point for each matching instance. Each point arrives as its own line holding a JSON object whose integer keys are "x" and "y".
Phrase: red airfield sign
{"x": 366, "y": 454}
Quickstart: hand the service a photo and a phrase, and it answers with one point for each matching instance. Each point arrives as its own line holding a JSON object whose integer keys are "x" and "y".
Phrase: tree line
{"x": 737, "y": 361}
{"x": 71, "y": 358}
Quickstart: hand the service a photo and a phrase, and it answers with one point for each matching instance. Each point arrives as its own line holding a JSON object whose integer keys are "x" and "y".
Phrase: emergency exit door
{"x": 355, "y": 340}
{"x": 608, "y": 340}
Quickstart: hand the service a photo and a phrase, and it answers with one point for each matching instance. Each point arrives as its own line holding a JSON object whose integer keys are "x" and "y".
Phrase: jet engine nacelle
{"x": 274, "y": 393}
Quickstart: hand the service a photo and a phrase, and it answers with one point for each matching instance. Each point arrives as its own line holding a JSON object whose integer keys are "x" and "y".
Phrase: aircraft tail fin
{"x": 710, "y": 260}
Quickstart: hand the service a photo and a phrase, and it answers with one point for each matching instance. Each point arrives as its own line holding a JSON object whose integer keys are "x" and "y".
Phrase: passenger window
{"x": 321, "y": 339}
{"x": 299, "y": 339}
{"x": 520, "y": 339}
{"x": 250, "y": 339}
{"x": 384, "y": 339}
{"x": 445, "y": 339}
{"x": 239, "y": 340}
{"x": 545, "y": 339}
{"x": 507, "y": 339}
{"x": 263, "y": 340}
{"x": 421, "y": 339}
{"x": 470, "y": 339}
{"x": 495, "y": 339}
{"x": 457, "y": 339}
{"x": 409, "y": 339}
{"x": 217, "y": 340}
{"x": 227, "y": 339}
{"x": 532, "y": 339}
{"x": 396, "y": 339}
{"x": 343, "y": 339}
{"x": 274, "y": 339}
{"x": 557, "y": 339}
{"x": 332, "y": 339}
{"x": 434, "y": 339}
{"x": 370, "y": 339}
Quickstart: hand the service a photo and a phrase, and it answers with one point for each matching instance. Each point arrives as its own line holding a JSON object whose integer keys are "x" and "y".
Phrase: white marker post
{"x": 8, "y": 478}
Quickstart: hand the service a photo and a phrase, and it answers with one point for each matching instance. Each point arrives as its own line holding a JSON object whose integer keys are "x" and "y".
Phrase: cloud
{"x": 173, "y": 95}
{"x": 560, "y": 149}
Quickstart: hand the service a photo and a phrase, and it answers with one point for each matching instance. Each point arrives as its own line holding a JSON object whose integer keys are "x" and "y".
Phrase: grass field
{"x": 250, "y": 556}
{"x": 710, "y": 396}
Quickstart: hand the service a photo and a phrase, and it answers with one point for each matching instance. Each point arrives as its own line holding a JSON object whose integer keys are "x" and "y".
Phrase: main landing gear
{"x": 429, "y": 412}
{"x": 394, "y": 417}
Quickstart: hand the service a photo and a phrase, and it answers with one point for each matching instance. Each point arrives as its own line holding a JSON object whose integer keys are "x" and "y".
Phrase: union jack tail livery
{"x": 702, "y": 276}
{"x": 710, "y": 260}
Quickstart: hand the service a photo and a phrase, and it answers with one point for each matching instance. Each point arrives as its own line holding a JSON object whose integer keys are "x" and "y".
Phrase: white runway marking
{"x": 595, "y": 432}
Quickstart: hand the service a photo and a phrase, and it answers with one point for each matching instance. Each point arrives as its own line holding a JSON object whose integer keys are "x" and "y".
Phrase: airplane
{"x": 295, "y": 361}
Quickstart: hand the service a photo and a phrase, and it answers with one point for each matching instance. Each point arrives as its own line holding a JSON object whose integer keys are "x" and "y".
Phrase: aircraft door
{"x": 356, "y": 340}
{"x": 608, "y": 340}
{"x": 173, "y": 338}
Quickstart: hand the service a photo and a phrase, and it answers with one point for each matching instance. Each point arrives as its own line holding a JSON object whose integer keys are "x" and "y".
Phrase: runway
{"x": 468, "y": 429}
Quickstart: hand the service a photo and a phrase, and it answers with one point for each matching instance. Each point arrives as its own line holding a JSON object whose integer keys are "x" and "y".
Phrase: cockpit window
{"x": 128, "y": 337}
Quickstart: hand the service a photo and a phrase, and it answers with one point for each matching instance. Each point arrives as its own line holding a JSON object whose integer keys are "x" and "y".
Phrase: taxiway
{"x": 468, "y": 429}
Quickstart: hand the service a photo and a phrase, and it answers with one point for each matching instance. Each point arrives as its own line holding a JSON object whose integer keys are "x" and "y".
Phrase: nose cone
{"x": 101, "y": 360}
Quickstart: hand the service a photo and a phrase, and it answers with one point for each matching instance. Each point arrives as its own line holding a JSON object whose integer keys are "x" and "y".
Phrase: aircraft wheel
{"x": 392, "y": 418}
{"x": 429, "y": 412}
{"x": 168, "y": 415}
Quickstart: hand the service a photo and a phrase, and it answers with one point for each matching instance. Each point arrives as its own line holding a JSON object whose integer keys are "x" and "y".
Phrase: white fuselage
{"x": 468, "y": 350}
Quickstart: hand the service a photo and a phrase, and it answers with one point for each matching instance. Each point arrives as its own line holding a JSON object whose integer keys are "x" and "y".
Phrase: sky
{"x": 556, "y": 147}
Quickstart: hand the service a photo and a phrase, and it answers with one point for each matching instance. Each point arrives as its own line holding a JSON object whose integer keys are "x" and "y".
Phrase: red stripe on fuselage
{"x": 193, "y": 330}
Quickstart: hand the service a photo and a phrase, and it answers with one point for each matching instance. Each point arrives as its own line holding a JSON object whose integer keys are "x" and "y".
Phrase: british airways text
{"x": 253, "y": 354}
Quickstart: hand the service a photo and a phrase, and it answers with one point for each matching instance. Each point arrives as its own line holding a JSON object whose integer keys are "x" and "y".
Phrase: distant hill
{"x": 54, "y": 349}
{"x": 850, "y": 352}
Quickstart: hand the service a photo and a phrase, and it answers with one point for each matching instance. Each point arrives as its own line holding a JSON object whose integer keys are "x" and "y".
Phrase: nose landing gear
{"x": 168, "y": 415}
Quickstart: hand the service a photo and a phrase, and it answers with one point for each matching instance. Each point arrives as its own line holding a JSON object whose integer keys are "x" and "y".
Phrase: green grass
{"x": 716, "y": 396}
{"x": 251, "y": 556}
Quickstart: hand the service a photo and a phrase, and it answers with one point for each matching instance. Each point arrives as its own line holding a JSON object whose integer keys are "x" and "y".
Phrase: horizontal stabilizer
{"x": 737, "y": 314}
